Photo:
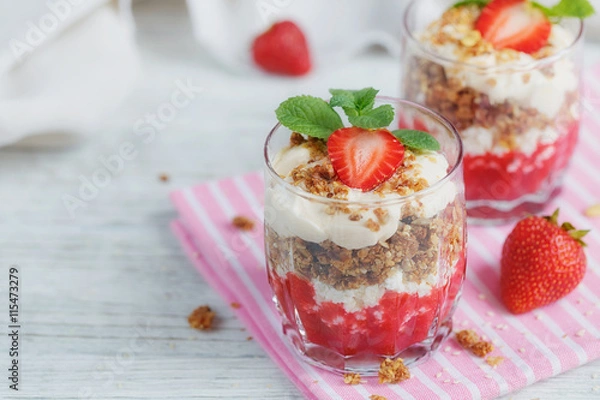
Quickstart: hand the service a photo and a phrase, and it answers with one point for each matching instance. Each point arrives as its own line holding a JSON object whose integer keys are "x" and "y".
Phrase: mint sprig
{"x": 353, "y": 100}
{"x": 564, "y": 9}
{"x": 417, "y": 140}
{"x": 309, "y": 115}
{"x": 480, "y": 3}
{"x": 379, "y": 117}
{"x": 358, "y": 106}
{"x": 315, "y": 117}
{"x": 568, "y": 8}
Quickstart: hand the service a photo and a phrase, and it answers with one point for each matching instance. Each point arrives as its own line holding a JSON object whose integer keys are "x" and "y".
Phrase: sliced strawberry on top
{"x": 514, "y": 24}
{"x": 364, "y": 158}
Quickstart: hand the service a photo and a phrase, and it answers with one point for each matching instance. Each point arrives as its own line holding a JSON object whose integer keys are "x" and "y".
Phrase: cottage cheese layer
{"x": 347, "y": 217}
{"x": 504, "y": 75}
{"x": 363, "y": 297}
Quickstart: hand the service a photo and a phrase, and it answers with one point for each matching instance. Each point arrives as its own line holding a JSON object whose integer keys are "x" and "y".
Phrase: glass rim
{"x": 534, "y": 64}
{"x": 376, "y": 202}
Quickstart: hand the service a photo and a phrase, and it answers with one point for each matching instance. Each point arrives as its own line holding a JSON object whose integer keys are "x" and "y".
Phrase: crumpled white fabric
{"x": 66, "y": 63}
{"x": 336, "y": 29}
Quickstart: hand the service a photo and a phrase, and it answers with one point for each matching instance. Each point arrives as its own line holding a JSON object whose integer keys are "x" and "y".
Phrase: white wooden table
{"x": 105, "y": 295}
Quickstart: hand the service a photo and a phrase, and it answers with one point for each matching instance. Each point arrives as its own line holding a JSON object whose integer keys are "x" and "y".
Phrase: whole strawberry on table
{"x": 282, "y": 49}
{"x": 542, "y": 262}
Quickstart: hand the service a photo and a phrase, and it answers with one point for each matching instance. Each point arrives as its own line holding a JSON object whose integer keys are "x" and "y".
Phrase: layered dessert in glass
{"x": 373, "y": 270}
{"x": 514, "y": 99}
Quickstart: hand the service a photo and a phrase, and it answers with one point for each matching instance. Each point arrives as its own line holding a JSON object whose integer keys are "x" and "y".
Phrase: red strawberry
{"x": 514, "y": 24}
{"x": 541, "y": 263}
{"x": 364, "y": 158}
{"x": 282, "y": 50}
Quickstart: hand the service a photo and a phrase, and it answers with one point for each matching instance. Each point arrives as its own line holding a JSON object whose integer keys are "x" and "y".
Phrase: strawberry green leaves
{"x": 417, "y": 140}
{"x": 358, "y": 106}
{"x": 309, "y": 115}
{"x": 568, "y": 227}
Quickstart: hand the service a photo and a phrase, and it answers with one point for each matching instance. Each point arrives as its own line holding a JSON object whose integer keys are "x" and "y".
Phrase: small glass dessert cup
{"x": 360, "y": 276}
{"x": 518, "y": 114}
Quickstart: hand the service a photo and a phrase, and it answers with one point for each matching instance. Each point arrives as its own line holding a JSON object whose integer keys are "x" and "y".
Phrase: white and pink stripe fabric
{"x": 535, "y": 346}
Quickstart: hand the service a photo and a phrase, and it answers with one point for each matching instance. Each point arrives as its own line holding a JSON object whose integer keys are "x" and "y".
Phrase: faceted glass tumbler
{"x": 351, "y": 292}
{"x": 519, "y": 120}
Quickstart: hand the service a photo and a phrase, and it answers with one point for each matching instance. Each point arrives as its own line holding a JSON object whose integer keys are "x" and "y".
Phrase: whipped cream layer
{"x": 543, "y": 89}
{"x": 292, "y": 215}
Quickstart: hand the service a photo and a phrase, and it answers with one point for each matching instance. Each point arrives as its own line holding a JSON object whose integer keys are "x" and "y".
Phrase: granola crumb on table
{"x": 494, "y": 361}
{"x": 377, "y": 397}
{"x": 163, "y": 178}
{"x": 243, "y": 223}
{"x": 352, "y": 378}
{"x": 470, "y": 340}
{"x": 393, "y": 371}
{"x": 201, "y": 318}
{"x": 593, "y": 211}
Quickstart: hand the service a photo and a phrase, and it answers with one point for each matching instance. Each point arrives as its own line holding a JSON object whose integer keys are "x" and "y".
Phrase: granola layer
{"x": 505, "y": 125}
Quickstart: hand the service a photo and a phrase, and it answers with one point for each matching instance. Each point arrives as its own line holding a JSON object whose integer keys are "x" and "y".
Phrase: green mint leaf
{"x": 417, "y": 140}
{"x": 359, "y": 100}
{"x": 341, "y": 98}
{"x": 543, "y": 8}
{"x": 364, "y": 99}
{"x": 379, "y": 117}
{"x": 309, "y": 115}
{"x": 480, "y": 3}
{"x": 568, "y": 8}
{"x": 351, "y": 112}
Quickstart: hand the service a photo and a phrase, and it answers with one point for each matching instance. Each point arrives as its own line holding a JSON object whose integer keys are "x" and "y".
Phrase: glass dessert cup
{"x": 519, "y": 119}
{"x": 373, "y": 277}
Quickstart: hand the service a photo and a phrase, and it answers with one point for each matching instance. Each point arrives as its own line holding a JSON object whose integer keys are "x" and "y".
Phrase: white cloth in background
{"x": 63, "y": 66}
{"x": 336, "y": 29}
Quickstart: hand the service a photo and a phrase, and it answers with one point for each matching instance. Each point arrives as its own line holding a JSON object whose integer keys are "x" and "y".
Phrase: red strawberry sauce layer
{"x": 396, "y": 322}
{"x": 512, "y": 175}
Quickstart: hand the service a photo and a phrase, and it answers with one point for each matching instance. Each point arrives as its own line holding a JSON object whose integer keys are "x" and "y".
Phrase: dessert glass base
{"x": 491, "y": 213}
{"x": 365, "y": 364}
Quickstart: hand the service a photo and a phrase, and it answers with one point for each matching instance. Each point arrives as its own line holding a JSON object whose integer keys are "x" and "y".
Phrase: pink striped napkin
{"x": 535, "y": 346}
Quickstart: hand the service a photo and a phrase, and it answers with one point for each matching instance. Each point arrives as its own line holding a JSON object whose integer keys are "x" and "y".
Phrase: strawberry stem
{"x": 553, "y": 219}
{"x": 578, "y": 235}
{"x": 568, "y": 227}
